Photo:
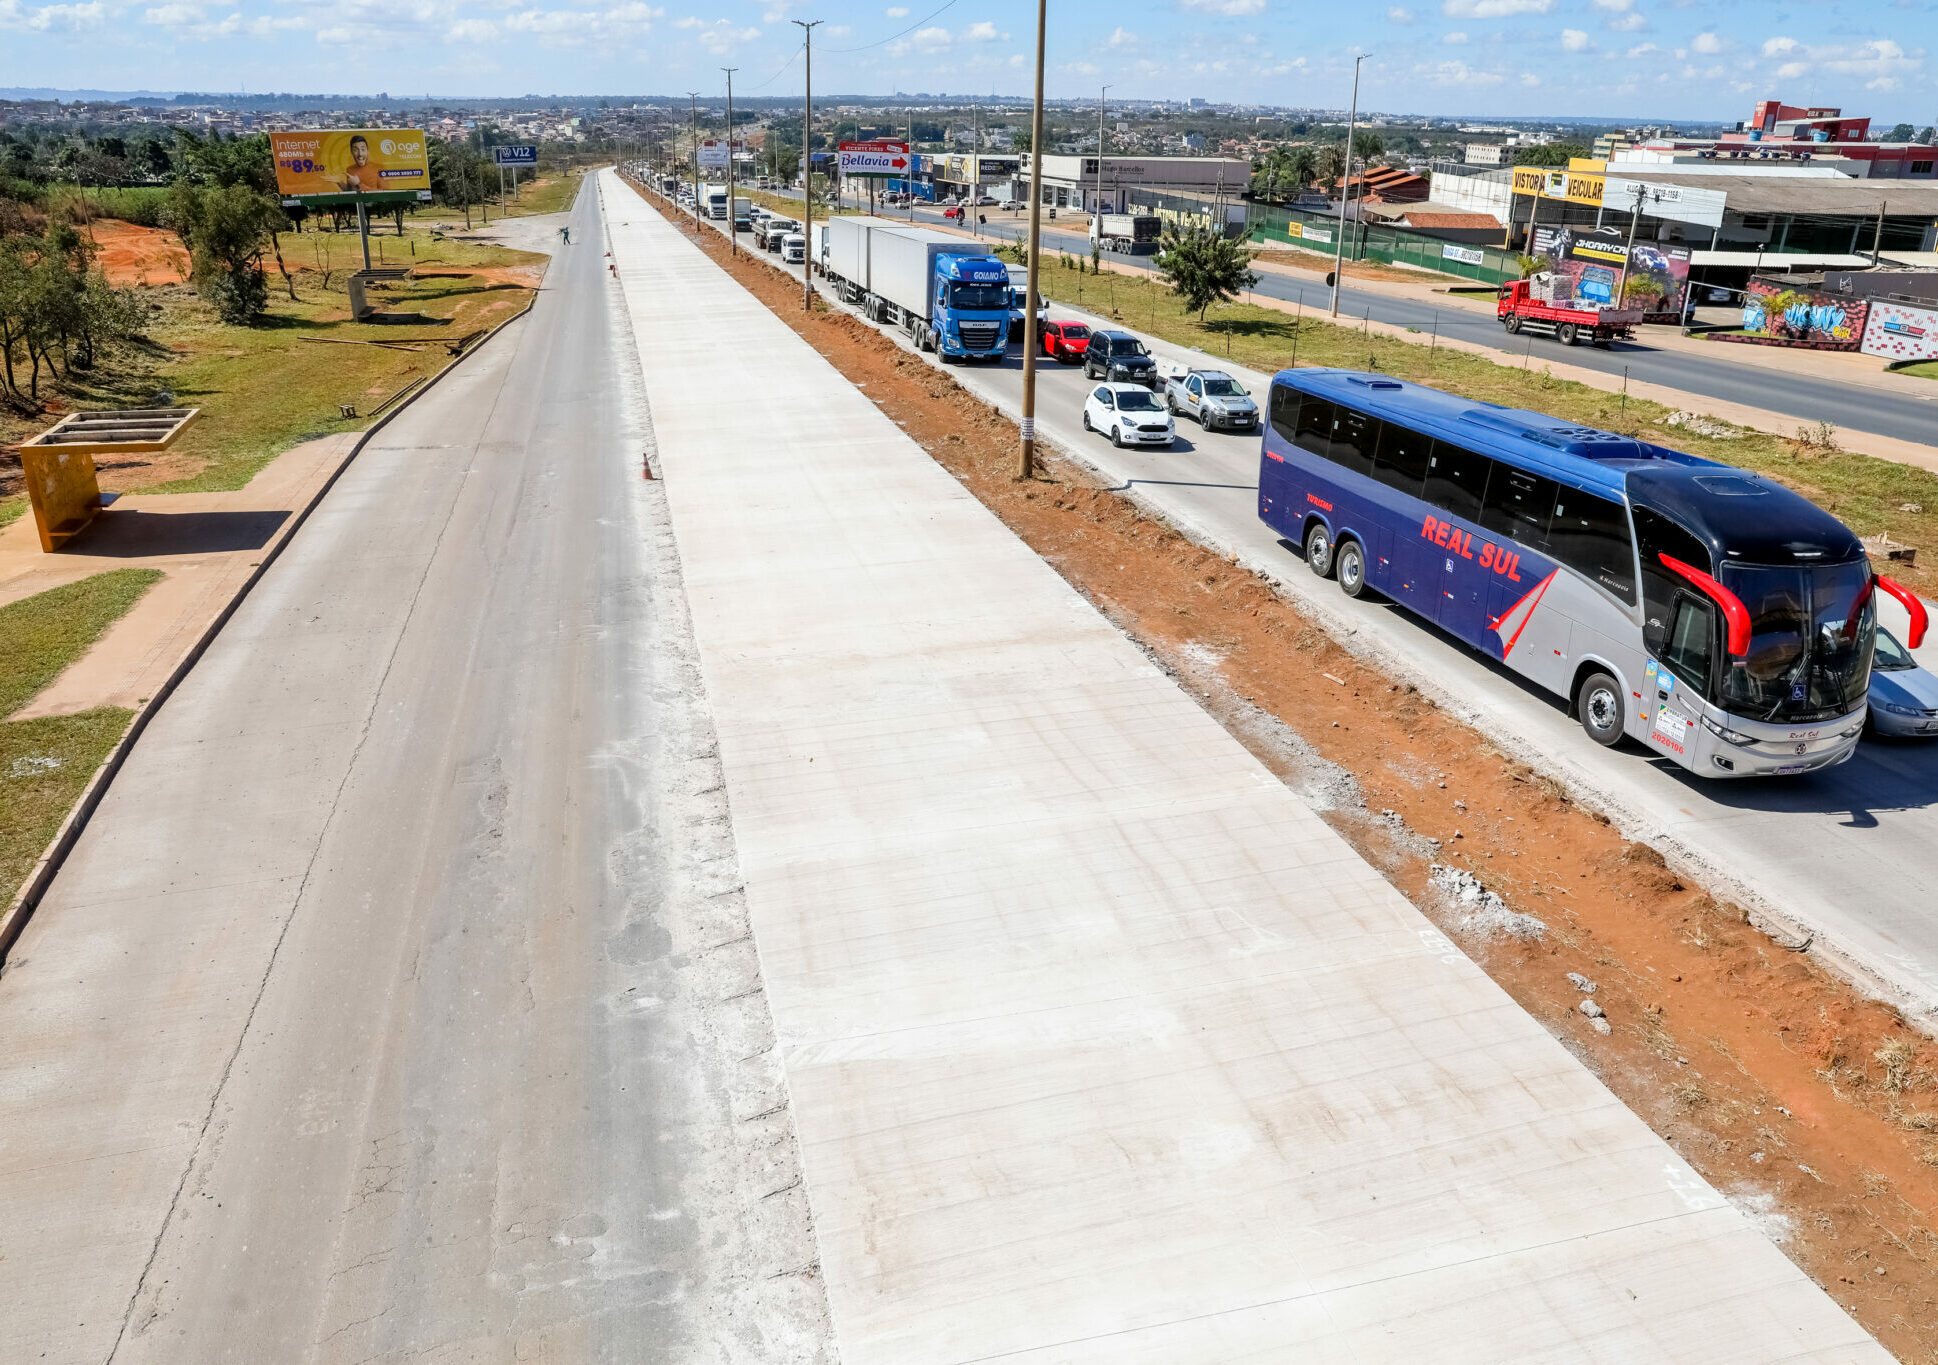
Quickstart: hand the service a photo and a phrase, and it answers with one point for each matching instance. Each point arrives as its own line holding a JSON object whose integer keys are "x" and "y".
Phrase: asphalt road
{"x": 1844, "y": 854}
{"x": 398, "y": 1002}
{"x": 1803, "y": 396}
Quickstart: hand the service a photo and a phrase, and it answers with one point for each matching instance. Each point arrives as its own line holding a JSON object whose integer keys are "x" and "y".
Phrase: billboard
{"x": 1600, "y": 269}
{"x": 1901, "y": 331}
{"x": 515, "y": 156}
{"x": 1577, "y": 185}
{"x": 879, "y": 157}
{"x": 351, "y": 161}
{"x": 713, "y": 153}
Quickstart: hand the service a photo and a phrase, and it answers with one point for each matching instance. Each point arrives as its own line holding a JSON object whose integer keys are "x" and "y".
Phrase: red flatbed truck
{"x": 1519, "y": 306}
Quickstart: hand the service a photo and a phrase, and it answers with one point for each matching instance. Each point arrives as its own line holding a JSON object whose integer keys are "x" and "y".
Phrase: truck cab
{"x": 970, "y": 314}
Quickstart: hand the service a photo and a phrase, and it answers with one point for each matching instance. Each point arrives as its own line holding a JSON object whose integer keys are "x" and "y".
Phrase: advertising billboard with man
{"x": 350, "y": 161}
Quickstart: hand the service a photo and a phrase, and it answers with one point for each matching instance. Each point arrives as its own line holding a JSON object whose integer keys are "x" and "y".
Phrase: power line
{"x": 903, "y": 34}
{"x": 784, "y": 65}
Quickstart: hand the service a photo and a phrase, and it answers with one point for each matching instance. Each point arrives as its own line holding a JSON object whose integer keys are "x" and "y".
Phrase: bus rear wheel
{"x": 1349, "y": 566}
{"x": 1599, "y": 704}
{"x": 1318, "y": 550}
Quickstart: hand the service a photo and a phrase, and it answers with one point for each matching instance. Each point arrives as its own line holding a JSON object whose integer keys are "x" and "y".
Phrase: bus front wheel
{"x": 1318, "y": 550}
{"x": 1350, "y": 568}
{"x": 1599, "y": 704}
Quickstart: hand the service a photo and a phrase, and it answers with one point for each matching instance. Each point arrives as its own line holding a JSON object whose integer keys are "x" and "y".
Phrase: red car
{"x": 1066, "y": 341}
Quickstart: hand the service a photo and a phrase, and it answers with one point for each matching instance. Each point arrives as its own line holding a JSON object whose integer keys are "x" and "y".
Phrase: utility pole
{"x": 1346, "y": 189}
{"x": 1877, "y": 242}
{"x": 807, "y": 166}
{"x": 733, "y": 245}
{"x": 1026, "y": 462}
{"x": 1097, "y": 223}
{"x": 693, "y": 97}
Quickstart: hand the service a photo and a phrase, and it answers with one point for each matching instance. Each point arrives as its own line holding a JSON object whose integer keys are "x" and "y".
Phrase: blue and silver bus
{"x": 1711, "y": 615}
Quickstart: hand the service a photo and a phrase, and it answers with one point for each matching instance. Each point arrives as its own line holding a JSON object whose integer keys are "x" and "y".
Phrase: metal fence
{"x": 1381, "y": 242}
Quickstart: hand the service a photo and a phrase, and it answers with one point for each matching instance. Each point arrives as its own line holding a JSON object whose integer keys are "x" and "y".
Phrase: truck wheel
{"x": 1318, "y": 550}
{"x": 1204, "y": 418}
{"x": 1512, "y": 322}
{"x": 1599, "y": 704}
{"x": 1171, "y": 402}
{"x": 1350, "y": 568}
{"x": 1566, "y": 333}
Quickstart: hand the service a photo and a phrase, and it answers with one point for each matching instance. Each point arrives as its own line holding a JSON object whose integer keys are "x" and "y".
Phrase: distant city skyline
{"x": 1641, "y": 59}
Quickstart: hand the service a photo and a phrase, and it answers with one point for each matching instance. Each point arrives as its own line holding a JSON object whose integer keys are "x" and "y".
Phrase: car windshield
{"x": 1811, "y": 632}
{"x": 1223, "y": 388}
{"x": 1075, "y": 331}
{"x": 1891, "y": 657}
{"x": 983, "y": 296}
{"x": 1125, "y": 346}
{"x": 1136, "y": 400}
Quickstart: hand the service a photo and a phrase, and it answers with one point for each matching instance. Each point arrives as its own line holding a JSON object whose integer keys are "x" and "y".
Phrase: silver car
{"x": 1904, "y": 697}
{"x": 1214, "y": 398}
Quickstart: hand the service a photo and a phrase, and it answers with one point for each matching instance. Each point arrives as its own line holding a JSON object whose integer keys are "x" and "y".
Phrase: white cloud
{"x": 1122, "y": 39}
{"x": 1643, "y": 49}
{"x": 1529, "y": 78}
{"x": 1573, "y": 40}
{"x": 1455, "y": 38}
{"x": 1628, "y": 23}
{"x": 893, "y": 12}
{"x": 1791, "y": 71}
{"x": 1494, "y": 9}
{"x": 1706, "y": 43}
{"x": 1225, "y": 7}
{"x": 52, "y": 18}
{"x": 981, "y": 32}
{"x": 1780, "y": 46}
{"x": 1459, "y": 73}
{"x": 1615, "y": 6}
{"x": 1399, "y": 14}
{"x": 719, "y": 37}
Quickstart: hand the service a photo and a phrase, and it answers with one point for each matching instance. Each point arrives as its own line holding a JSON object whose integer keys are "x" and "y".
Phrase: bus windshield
{"x": 1811, "y": 634}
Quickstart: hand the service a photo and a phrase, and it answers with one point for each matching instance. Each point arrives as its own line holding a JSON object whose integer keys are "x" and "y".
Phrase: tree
{"x": 1553, "y": 154}
{"x": 1902, "y": 132}
{"x": 1928, "y": 136}
{"x": 1019, "y": 139}
{"x": 1204, "y": 267}
{"x": 226, "y": 229}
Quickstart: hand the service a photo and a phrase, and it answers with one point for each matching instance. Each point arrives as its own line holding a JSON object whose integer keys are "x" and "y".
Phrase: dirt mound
{"x": 130, "y": 254}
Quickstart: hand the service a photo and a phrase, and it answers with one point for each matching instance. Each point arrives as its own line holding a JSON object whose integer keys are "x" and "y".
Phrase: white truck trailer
{"x": 950, "y": 295}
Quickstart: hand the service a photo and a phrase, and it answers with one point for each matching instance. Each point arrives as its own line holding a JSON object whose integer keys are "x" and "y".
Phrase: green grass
{"x": 11, "y": 509}
{"x": 547, "y": 194}
{"x": 41, "y": 635}
{"x": 1923, "y": 369}
{"x": 44, "y": 766}
{"x": 1865, "y": 492}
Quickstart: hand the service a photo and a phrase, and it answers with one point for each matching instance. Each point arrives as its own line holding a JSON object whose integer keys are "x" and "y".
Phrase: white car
{"x": 1013, "y": 204}
{"x": 794, "y": 249}
{"x": 1130, "y": 414}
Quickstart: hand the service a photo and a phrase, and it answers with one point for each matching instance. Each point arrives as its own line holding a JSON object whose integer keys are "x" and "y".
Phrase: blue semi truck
{"x": 949, "y": 295}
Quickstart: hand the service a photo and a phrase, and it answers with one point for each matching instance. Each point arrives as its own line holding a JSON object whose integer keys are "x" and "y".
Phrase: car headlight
{"x": 1723, "y": 732}
{"x": 1897, "y": 710}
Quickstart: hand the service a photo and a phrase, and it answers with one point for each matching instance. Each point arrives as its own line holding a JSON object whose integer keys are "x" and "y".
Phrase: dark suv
{"x": 1119, "y": 356}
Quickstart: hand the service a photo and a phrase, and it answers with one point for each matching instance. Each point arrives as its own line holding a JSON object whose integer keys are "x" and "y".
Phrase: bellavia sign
{"x": 874, "y": 158}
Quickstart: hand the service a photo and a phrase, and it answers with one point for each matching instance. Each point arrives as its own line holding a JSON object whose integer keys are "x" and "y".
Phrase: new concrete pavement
{"x": 397, "y": 1004}
{"x": 1843, "y": 855}
{"x": 1102, "y": 1046}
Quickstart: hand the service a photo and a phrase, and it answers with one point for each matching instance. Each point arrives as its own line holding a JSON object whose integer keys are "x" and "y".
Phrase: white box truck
{"x": 950, "y": 295}
{"x": 713, "y": 201}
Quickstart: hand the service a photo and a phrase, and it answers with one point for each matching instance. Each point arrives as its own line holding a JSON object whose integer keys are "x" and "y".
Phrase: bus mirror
{"x": 1734, "y": 612}
{"x": 1919, "y": 617}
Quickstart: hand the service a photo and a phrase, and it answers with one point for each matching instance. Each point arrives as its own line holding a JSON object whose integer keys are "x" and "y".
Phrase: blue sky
{"x": 1678, "y": 59}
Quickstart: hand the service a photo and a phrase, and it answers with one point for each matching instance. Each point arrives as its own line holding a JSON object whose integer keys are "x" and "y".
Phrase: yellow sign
{"x": 1573, "y": 186}
{"x": 350, "y": 161}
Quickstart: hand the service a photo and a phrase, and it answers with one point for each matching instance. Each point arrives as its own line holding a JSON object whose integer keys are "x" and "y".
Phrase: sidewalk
{"x": 1101, "y": 1045}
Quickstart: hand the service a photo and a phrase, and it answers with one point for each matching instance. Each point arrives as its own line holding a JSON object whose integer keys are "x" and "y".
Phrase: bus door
{"x": 1451, "y": 547}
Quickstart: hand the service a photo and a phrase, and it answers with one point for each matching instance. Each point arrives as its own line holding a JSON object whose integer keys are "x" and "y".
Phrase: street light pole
{"x": 1345, "y": 190}
{"x": 1026, "y": 463}
{"x": 733, "y": 244}
{"x": 807, "y": 167}
{"x": 1097, "y": 224}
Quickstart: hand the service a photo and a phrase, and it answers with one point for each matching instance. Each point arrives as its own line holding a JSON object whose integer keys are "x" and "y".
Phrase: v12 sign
{"x": 874, "y": 158}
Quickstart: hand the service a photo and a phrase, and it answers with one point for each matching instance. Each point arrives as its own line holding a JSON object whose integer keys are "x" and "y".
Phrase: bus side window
{"x": 1355, "y": 437}
{"x": 1590, "y": 535}
{"x": 1315, "y": 426}
{"x": 1519, "y": 505}
{"x": 1455, "y": 480}
{"x": 1402, "y": 461}
{"x": 1691, "y": 645}
{"x": 1656, "y": 536}
{"x": 1285, "y": 413}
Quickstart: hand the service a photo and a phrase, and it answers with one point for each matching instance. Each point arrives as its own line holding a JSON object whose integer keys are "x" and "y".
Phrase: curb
{"x": 16, "y": 916}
